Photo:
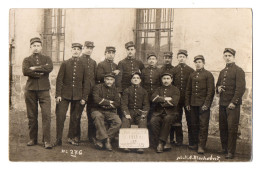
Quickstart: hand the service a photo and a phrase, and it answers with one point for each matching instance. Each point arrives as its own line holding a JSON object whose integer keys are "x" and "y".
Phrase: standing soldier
{"x": 128, "y": 66}
{"x": 91, "y": 67}
{"x": 108, "y": 65}
{"x": 106, "y": 101}
{"x": 72, "y": 87}
{"x": 167, "y": 67}
{"x": 135, "y": 105}
{"x": 230, "y": 87}
{"x": 37, "y": 67}
{"x": 200, "y": 91}
{"x": 181, "y": 75}
{"x": 166, "y": 98}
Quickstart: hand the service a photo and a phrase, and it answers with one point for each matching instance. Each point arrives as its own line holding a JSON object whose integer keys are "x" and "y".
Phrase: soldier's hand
{"x": 116, "y": 72}
{"x": 220, "y": 88}
{"x": 128, "y": 116}
{"x": 231, "y": 106}
{"x": 58, "y": 100}
{"x": 82, "y": 102}
{"x": 167, "y": 98}
{"x": 188, "y": 107}
{"x": 32, "y": 68}
{"x": 204, "y": 108}
{"x": 143, "y": 116}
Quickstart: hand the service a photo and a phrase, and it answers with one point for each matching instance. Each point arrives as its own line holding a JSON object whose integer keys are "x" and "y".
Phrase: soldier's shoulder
{"x": 239, "y": 68}
{"x": 189, "y": 68}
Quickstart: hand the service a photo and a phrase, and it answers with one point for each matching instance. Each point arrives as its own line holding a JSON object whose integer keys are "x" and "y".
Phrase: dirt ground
{"x": 18, "y": 151}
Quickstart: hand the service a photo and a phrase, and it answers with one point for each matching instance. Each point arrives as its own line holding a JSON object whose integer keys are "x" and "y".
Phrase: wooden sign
{"x": 133, "y": 138}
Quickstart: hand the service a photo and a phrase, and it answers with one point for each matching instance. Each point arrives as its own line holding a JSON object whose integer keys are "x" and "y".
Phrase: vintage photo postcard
{"x": 130, "y": 85}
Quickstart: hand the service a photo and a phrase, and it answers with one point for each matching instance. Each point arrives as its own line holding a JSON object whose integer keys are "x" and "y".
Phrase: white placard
{"x": 133, "y": 138}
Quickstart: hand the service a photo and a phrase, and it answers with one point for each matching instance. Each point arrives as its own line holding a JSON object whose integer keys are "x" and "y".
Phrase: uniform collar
{"x": 166, "y": 86}
{"x": 130, "y": 58}
{"x": 74, "y": 58}
{"x": 154, "y": 67}
{"x": 200, "y": 70}
{"x": 135, "y": 86}
{"x": 86, "y": 56}
{"x": 182, "y": 65}
{"x": 109, "y": 61}
{"x": 108, "y": 86}
{"x": 230, "y": 64}
{"x": 168, "y": 65}
{"x": 36, "y": 54}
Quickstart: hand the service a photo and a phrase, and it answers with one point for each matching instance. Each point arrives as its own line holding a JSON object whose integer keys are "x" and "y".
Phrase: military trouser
{"x": 177, "y": 127}
{"x": 31, "y": 99}
{"x": 199, "y": 125}
{"x": 75, "y": 116}
{"x": 99, "y": 119}
{"x": 161, "y": 125}
{"x": 228, "y": 126}
{"x": 135, "y": 120}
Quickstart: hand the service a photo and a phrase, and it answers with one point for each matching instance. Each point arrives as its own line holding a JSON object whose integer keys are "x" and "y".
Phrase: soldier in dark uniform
{"x": 37, "y": 67}
{"x": 167, "y": 67}
{"x": 230, "y": 87}
{"x": 166, "y": 98}
{"x": 128, "y": 66}
{"x": 200, "y": 91}
{"x": 72, "y": 87}
{"x": 181, "y": 75}
{"x": 108, "y": 65}
{"x": 135, "y": 105}
{"x": 91, "y": 67}
{"x": 106, "y": 101}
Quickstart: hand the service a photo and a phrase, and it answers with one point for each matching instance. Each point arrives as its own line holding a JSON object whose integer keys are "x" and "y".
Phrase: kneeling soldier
{"x": 199, "y": 95}
{"x": 135, "y": 105}
{"x": 106, "y": 101}
{"x": 72, "y": 87}
{"x": 166, "y": 99}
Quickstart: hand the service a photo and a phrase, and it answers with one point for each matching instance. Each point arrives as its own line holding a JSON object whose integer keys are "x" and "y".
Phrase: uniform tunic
{"x": 232, "y": 78}
{"x": 151, "y": 79}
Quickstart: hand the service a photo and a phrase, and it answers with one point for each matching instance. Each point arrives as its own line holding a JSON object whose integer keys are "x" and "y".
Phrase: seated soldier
{"x": 106, "y": 101}
{"x": 166, "y": 99}
{"x": 135, "y": 106}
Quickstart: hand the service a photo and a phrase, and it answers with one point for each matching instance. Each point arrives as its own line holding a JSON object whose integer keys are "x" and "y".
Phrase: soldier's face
{"x": 167, "y": 60}
{"x": 109, "y": 81}
{"x": 166, "y": 80}
{"x": 130, "y": 51}
{"x": 87, "y": 50}
{"x": 228, "y": 57}
{"x": 110, "y": 55}
{"x": 36, "y": 47}
{"x": 182, "y": 58}
{"x": 199, "y": 64}
{"x": 136, "y": 80}
{"x": 152, "y": 60}
{"x": 76, "y": 51}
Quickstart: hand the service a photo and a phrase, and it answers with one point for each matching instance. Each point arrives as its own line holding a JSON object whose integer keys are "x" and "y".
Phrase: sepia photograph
{"x": 130, "y": 84}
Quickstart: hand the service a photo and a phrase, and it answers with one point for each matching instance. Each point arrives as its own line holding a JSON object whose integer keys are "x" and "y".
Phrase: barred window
{"x": 54, "y": 34}
{"x": 154, "y": 32}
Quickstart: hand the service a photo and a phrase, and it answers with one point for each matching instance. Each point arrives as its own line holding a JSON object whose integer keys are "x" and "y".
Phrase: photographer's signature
{"x": 198, "y": 158}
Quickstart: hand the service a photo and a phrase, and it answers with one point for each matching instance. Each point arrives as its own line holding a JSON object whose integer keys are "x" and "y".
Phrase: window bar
{"x": 64, "y": 24}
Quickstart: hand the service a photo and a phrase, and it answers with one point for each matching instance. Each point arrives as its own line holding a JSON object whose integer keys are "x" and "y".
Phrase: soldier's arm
{"x": 95, "y": 71}
{"x": 218, "y": 83}
{"x": 175, "y": 98}
{"x": 97, "y": 99}
{"x": 156, "y": 98}
{"x": 86, "y": 85}
{"x": 119, "y": 78}
{"x": 188, "y": 91}
{"x": 124, "y": 102}
{"x": 210, "y": 90}
{"x": 27, "y": 71}
{"x": 146, "y": 103}
{"x": 59, "y": 81}
{"x": 240, "y": 86}
{"x": 46, "y": 68}
{"x": 100, "y": 73}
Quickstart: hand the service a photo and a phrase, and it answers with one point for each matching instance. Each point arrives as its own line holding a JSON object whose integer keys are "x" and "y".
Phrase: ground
{"x": 18, "y": 151}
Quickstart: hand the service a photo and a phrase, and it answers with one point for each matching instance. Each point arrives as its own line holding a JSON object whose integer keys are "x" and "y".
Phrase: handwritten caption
{"x": 133, "y": 138}
{"x": 73, "y": 153}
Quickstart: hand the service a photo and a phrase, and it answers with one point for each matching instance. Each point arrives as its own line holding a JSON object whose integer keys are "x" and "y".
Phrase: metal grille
{"x": 154, "y": 32}
{"x": 54, "y": 34}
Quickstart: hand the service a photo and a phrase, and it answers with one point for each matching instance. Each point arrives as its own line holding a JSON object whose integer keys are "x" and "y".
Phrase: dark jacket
{"x": 151, "y": 79}
{"x": 36, "y": 81}
{"x": 72, "y": 80}
{"x": 135, "y": 97}
{"x": 103, "y": 68}
{"x": 161, "y": 104}
{"x": 200, "y": 88}
{"x": 181, "y": 75}
{"x": 91, "y": 67}
{"x": 127, "y": 67}
{"x": 167, "y": 68}
{"x": 233, "y": 80}
{"x": 102, "y": 94}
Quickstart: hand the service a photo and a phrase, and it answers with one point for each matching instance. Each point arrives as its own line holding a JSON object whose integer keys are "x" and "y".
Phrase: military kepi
{"x": 198, "y": 57}
{"x": 182, "y": 51}
{"x": 110, "y": 75}
{"x": 89, "y": 44}
{"x": 76, "y": 45}
{"x": 168, "y": 53}
{"x": 166, "y": 74}
{"x": 151, "y": 54}
{"x": 129, "y": 44}
{"x": 110, "y": 48}
{"x": 35, "y": 39}
{"x": 136, "y": 73}
{"x": 230, "y": 50}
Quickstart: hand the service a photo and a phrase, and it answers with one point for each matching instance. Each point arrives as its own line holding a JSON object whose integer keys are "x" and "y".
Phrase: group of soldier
{"x": 118, "y": 96}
